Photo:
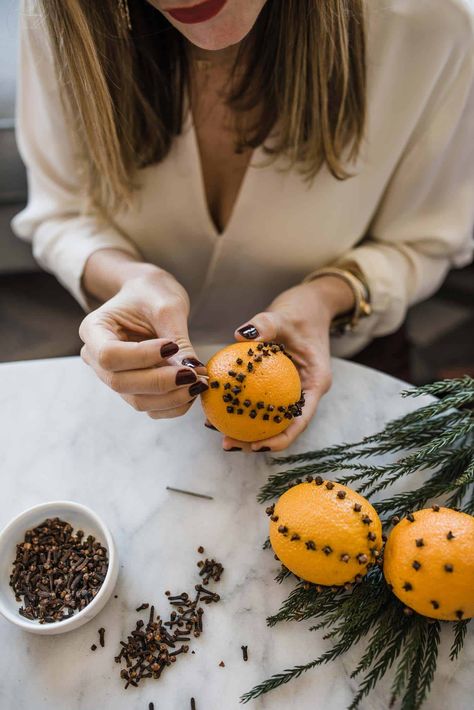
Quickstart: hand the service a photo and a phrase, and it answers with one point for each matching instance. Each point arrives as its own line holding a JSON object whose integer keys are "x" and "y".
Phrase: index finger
{"x": 105, "y": 348}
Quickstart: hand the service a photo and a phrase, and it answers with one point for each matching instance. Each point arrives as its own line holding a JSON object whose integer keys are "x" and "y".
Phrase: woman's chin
{"x": 218, "y": 39}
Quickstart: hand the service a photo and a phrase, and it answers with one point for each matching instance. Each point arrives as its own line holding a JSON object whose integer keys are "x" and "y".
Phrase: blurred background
{"x": 39, "y": 319}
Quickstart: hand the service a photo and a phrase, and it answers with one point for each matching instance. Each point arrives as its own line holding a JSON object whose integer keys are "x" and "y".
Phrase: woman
{"x": 284, "y": 168}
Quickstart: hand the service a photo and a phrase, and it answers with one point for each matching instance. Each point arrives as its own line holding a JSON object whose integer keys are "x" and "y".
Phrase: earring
{"x": 124, "y": 11}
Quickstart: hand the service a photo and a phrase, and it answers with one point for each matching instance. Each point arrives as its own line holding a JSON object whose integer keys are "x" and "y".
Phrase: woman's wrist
{"x": 332, "y": 296}
{"x": 108, "y": 270}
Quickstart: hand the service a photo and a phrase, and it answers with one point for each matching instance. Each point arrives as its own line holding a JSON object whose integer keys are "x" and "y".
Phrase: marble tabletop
{"x": 64, "y": 435}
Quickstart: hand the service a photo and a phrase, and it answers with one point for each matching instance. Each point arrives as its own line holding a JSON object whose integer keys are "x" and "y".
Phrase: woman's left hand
{"x": 299, "y": 318}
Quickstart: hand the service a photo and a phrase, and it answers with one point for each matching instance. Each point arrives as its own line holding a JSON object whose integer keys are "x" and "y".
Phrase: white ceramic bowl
{"x": 81, "y": 518}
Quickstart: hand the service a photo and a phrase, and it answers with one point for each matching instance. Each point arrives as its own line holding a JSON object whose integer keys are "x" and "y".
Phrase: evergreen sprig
{"x": 437, "y": 438}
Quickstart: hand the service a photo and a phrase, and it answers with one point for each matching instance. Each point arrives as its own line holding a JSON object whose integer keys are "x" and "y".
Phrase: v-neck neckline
{"x": 201, "y": 188}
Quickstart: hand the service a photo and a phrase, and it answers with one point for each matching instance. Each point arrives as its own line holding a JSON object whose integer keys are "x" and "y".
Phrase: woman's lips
{"x": 197, "y": 13}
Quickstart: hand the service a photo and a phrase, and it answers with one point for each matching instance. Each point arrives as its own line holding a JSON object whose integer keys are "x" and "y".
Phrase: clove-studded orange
{"x": 429, "y": 563}
{"x": 254, "y": 391}
{"x": 325, "y": 533}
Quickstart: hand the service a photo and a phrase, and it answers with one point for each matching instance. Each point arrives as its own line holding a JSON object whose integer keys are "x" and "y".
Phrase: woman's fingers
{"x": 169, "y": 413}
{"x": 120, "y": 355}
{"x": 100, "y": 333}
{"x": 153, "y": 381}
{"x": 263, "y": 326}
{"x": 166, "y": 402}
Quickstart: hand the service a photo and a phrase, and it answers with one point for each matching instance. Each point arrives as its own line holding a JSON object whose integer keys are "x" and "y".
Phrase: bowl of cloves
{"x": 58, "y": 567}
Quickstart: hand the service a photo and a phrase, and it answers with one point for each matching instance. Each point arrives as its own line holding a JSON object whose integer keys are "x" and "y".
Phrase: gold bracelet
{"x": 362, "y": 308}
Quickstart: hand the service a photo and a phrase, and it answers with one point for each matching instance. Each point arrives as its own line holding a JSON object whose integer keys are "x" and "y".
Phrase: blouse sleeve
{"x": 424, "y": 224}
{"x": 63, "y": 236}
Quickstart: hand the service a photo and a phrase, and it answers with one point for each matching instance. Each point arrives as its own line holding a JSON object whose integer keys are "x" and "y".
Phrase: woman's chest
{"x": 223, "y": 168}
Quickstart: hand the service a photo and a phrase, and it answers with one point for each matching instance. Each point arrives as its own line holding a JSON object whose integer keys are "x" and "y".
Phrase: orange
{"x": 429, "y": 563}
{"x": 325, "y": 532}
{"x": 254, "y": 391}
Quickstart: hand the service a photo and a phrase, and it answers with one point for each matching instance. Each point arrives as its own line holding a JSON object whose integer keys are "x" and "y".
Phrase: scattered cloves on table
{"x": 245, "y": 654}
{"x": 57, "y": 572}
{"x": 153, "y": 647}
{"x": 101, "y": 633}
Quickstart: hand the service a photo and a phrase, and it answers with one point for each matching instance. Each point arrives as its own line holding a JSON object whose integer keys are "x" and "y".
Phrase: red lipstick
{"x": 197, "y": 13}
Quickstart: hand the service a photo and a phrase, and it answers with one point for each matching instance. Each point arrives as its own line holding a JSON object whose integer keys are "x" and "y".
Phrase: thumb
{"x": 174, "y": 325}
{"x": 263, "y": 326}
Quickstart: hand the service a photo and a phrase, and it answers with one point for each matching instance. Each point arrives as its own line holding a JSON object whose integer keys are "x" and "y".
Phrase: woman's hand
{"x": 137, "y": 342}
{"x": 300, "y": 318}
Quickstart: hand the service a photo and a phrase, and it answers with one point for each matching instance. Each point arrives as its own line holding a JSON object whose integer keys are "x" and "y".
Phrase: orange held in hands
{"x": 254, "y": 391}
{"x": 429, "y": 563}
{"x": 325, "y": 532}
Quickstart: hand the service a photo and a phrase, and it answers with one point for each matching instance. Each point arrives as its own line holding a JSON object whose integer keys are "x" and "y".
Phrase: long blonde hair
{"x": 302, "y": 67}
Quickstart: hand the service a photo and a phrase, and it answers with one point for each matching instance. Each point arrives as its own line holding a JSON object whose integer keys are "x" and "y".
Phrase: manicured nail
{"x": 198, "y": 388}
{"x": 169, "y": 349}
{"x": 234, "y": 448}
{"x": 185, "y": 377}
{"x": 192, "y": 362}
{"x": 210, "y": 426}
{"x": 249, "y": 331}
{"x": 263, "y": 448}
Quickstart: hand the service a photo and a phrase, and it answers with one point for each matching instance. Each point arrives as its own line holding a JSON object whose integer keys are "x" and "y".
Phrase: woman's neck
{"x": 223, "y": 58}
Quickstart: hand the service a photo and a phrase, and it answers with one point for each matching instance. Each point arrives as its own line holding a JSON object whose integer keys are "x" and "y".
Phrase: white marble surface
{"x": 64, "y": 435}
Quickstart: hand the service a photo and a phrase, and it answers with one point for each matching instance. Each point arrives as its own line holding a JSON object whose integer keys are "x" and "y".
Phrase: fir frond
{"x": 283, "y": 574}
{"x": 443, "y": 387}
{"x": 427, "y": 672}
{"x": 460, "y": 629}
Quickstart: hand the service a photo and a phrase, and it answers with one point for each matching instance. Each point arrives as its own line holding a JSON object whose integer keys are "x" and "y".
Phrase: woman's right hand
{"x": 138, "y": 344}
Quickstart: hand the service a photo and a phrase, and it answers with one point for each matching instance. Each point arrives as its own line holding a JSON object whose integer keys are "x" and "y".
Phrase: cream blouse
{"x": 405, "y": 217}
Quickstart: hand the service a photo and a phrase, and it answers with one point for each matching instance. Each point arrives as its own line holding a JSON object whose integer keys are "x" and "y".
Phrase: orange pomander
{"x": 325, "y": 533}
{"x": 429, "y": 563}
{"x": 254, "y": 391}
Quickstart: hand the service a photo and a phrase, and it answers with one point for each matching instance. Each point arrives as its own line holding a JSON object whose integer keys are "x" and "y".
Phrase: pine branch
{"x": 443, "y": 387}
{"x": 428, "y": 669}
{"x": 440, "y": 483}
{"x": 283, "y": 574}
{"x": 460, "y": 629}
{"x": 378, "y": 640}
{"x": 290, "y": 673}
{"x": 409, "y": 654}
{"x": 385, "y": 661}
{"x": 409, "y": 698}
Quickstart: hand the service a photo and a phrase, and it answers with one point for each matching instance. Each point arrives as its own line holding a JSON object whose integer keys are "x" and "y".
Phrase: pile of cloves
{"x": 57, "y": 572}
{"x": 210, "y": 569}
{"x": 151, "y": 648}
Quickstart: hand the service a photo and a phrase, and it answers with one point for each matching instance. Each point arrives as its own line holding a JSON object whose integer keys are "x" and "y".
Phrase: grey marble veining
{"x": 64, "y": 435}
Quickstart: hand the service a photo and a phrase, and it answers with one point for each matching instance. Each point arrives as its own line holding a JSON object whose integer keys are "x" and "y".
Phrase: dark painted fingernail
{"x": 234, "y": 448}
{"x": 210, "y": 426}
{"x": 185, "y": 377}
{"x": 198, "y": 388}
{"x": 169, "y": 349}
{"x": 249, "y": 331}
{"x": 263, "y": 448}
{"x": 192, "y": 362}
